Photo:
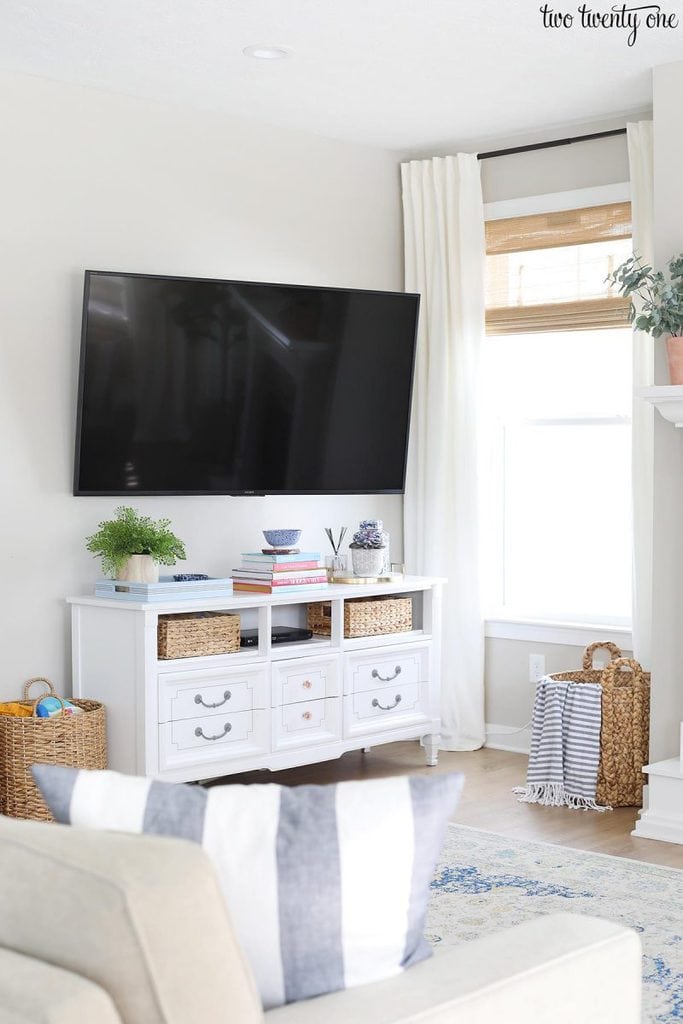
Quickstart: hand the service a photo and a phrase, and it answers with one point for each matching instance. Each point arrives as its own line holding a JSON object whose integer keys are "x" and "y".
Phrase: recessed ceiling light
{"x": 262, "y": 52}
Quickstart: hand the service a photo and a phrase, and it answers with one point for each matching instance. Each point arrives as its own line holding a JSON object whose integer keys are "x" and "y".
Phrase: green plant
{"x": 131, "y": 533}
{"x": 660, "y": 309}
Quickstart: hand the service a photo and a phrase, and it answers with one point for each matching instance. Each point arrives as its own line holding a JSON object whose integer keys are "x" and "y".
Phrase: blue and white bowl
{"x": 282, "y": 538}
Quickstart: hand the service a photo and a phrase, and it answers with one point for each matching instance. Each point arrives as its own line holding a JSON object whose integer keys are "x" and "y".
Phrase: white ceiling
{"x": 404, "y": 74}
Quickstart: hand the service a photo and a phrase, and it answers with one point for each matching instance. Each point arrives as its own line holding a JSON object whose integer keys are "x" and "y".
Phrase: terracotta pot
{"x": 139, "y": 569}
{"x": 674, "y": 351}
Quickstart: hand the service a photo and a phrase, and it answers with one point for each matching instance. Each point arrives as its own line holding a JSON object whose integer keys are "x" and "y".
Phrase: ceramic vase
{"x": 368, "y": 561}
{"x": 139, "y": 569}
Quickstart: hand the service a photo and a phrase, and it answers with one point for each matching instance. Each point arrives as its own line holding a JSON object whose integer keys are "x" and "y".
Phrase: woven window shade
{"x": 566, "y": 227}
{"x": 546, "y": 272}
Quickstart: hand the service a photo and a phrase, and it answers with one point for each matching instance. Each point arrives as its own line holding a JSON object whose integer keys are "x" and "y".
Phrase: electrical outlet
{"x": 536, "y": 667}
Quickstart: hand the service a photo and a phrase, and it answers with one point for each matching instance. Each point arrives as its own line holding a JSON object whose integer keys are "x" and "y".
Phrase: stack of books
{"x": 273, "y": 573}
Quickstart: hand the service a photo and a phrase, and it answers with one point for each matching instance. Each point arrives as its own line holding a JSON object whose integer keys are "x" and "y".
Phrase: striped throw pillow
{"x": 326, "y": 886}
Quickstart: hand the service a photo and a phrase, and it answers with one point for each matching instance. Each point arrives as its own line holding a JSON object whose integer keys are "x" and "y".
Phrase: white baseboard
{"x": 656, "y": 826}
{"x": 507, "y": 737}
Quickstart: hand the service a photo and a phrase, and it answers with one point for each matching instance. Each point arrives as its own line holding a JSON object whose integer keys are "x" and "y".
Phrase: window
{"x": 556, "y": 419}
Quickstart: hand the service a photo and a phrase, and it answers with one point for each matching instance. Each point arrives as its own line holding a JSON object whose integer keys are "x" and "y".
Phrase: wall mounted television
{"x": 199, "y": 386}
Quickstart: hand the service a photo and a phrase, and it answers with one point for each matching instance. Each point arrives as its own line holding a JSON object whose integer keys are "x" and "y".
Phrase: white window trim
{"x": 537, "y": 630}
{"x": 571, "y": 634}
{"x": 553, "y": 202}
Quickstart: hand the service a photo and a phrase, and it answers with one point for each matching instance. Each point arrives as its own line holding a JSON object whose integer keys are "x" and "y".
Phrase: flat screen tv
{"x": 197, "y": 386}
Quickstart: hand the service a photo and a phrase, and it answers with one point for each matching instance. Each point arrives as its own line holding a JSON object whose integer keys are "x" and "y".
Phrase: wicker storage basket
{"x": 78, "y": 741}
{"x": 194, "y": 634}
{"x": 364, "y": 616}
{"x": 625, "y": 730}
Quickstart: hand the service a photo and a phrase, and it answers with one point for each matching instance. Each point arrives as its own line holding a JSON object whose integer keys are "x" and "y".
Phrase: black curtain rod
{"x": 550, "y": 145}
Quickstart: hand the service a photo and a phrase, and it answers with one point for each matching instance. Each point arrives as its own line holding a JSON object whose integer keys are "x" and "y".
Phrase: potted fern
{"x": 132, "y": 546}
{"x": 659, "y": 307}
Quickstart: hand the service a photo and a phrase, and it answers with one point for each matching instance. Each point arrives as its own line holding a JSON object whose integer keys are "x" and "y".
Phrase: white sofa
{"x": 104, "y": 928}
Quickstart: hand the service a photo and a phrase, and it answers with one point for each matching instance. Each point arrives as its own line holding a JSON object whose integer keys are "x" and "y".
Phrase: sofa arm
{"x": 33, "y": 992}
{"x": 141, "y": 916}
{"x": 558, "y": 969}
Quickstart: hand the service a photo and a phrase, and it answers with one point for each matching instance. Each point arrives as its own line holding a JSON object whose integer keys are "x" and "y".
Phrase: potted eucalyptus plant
{"x": 133, "y": 546}
{"x": 656, "y": 304}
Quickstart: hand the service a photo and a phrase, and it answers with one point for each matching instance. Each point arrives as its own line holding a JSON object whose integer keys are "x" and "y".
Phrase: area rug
{"x": 487, "y": 882}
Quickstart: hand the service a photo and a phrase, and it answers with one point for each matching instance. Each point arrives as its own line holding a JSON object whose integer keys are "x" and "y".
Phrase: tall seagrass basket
{"x": 625, "y": 729}
{"x": 78, "y": 741}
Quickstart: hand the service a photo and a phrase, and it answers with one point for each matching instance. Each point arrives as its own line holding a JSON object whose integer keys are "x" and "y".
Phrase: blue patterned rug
{"x": 487, "y": 882}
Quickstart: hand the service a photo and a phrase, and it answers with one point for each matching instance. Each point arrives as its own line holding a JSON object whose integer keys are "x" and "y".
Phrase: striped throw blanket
{"x": 565, "y": 745}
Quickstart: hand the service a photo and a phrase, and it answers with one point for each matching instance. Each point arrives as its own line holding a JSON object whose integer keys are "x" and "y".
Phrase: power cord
{"x": 511, "y": 732}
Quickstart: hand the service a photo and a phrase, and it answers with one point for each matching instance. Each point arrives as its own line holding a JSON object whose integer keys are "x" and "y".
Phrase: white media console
{"x": 270, "y": 706}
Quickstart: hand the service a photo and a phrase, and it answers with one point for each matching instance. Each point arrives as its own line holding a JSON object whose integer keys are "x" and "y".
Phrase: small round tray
{"x": 362, "y": 579}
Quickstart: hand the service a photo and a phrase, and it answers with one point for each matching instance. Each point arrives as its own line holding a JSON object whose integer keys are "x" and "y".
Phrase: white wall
{"x": 667, "y": 636}
{"x": 109, "y": 182}
{"x": 558, "y": 169}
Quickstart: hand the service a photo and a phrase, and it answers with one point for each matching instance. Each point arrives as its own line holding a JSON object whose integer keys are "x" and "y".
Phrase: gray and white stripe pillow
{"x": 326, "y": 886}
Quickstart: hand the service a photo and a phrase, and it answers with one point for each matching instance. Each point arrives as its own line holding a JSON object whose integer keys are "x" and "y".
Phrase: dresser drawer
{"x": 386, "y": 708}
{"x": 314, "y": 721}
{"x": 185, "y": 695}
{"x": 305, "y": 679}
{"x": 386, "y": 666}
{"x": 212, "y": 738}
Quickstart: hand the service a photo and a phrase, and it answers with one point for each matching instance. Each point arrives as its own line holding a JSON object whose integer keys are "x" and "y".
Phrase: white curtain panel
{"x": 640, "y": 150}
{"x": 444, "y": 262}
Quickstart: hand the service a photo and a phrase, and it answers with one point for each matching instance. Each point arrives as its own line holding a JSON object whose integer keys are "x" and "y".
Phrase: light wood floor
{"x": 487, "y": 802}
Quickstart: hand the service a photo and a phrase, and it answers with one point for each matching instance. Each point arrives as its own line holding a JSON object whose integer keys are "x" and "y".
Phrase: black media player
{"x": 278, "y": 635}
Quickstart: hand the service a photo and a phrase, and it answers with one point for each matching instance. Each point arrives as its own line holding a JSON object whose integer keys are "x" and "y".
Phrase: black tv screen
{"x": 196, "y": 386}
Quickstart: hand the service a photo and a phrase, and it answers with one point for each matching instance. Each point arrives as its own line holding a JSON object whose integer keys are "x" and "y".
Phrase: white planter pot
{"x": 139, "y": 569}
{"x": 368, "y": 561}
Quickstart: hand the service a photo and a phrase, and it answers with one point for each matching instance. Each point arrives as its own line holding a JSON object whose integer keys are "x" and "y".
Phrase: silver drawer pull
{"x": 226, "y": 729}
{"x": 386, "y": 679}
{"x": 198, "y": 699}
{"x": 389, "y": 707}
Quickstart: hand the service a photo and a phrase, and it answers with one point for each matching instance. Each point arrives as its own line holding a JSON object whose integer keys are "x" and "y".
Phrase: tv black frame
{"x": 77, "y": 492}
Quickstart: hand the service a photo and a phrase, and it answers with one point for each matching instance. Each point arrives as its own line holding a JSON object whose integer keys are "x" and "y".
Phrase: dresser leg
{"x": 431, "y": 745}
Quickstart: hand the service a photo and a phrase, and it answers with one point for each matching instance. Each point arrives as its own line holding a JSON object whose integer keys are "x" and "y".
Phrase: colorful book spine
{"x": 281, "y": 566}
{"x": 293, "y": 581}
{"x": 269, "y": 574}
{"x": 301, "y": 556}
{"x": 257, "y": 588}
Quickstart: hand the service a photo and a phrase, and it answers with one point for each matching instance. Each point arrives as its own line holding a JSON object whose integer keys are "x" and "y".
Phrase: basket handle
{"x": 38, "y": 679}
{"x": 609, "y": 675}
{"x": 592, "y": 648}
{"x": 50, "y": 693}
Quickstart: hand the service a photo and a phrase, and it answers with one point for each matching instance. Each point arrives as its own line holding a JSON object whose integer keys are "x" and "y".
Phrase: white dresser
{"x": 270, "y": 706}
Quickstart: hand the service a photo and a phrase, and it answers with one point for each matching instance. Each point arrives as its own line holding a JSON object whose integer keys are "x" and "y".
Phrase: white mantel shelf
{"x": 668, "y": 399}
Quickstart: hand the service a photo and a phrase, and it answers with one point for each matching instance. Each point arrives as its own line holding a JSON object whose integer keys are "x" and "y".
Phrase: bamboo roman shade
{"x": 546, "y": 272}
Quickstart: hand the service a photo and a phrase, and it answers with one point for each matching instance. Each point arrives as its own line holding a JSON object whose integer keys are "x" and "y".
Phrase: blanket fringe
{"x": 553, "y": 794}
